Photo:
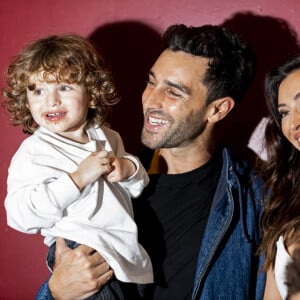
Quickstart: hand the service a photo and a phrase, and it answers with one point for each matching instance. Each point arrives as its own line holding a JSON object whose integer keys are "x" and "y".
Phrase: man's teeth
{"x": 155, "y": 121}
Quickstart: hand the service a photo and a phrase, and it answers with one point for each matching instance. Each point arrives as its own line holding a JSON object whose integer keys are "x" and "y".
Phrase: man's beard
{"x": 179, "y": 136}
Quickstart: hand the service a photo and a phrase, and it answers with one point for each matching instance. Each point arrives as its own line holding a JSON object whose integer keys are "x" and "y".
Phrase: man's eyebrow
{"x": 185, "y": 89}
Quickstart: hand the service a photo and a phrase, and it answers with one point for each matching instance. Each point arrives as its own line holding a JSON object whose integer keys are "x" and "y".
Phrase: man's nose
{"x": 152, "y": 98}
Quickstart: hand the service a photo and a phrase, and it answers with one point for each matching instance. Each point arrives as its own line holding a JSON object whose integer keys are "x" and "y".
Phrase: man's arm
{"x": 78, "y": 273}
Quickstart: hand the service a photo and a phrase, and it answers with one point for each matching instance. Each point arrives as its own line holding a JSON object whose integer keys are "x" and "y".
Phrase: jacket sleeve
{"x": 44, "y": 292}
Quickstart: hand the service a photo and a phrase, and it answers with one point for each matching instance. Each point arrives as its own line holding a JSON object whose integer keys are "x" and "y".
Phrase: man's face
{"x": 174, "y": 101}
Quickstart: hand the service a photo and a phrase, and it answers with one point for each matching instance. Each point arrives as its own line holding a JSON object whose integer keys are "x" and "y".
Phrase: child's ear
{"x": 218, "y": 109}
{"x": 92, "y": 103}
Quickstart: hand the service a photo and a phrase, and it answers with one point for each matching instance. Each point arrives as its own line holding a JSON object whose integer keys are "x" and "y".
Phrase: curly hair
{"x": 281, "y": 173}
{"x": 231, "y": 60}
{"x": 68, "y": 58}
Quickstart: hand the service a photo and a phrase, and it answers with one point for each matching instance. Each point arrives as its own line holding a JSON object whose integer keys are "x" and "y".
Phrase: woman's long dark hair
{"x": 281, "y": 172}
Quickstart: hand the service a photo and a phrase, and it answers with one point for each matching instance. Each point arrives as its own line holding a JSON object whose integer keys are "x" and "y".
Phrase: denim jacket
{"x": 227, "y": 266}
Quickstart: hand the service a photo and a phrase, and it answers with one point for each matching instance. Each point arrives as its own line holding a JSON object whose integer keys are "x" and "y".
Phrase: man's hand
{"x": 78, "y": 273}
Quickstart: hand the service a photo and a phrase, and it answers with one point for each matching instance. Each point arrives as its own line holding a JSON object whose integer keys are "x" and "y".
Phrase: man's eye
{"x": 174, "y": 94}
{"x": 149, "y": 82}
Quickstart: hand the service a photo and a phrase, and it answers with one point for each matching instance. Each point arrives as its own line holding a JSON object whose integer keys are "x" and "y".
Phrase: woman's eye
{"x": 282, "y": 114}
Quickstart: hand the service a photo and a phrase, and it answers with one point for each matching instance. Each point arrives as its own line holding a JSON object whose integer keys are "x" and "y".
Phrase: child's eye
{"x": 65, "y": 87}
{"x": 39, "y": 92}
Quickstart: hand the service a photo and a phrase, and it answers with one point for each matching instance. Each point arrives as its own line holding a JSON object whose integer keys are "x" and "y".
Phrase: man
{"x": 199, "y": 220}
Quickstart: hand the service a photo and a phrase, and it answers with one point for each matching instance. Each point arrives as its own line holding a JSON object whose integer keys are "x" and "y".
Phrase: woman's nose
{"x": 295, "y": 120}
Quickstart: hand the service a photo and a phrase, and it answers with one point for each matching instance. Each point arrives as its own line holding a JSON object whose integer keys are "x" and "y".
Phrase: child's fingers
{"x": 102, "y": 153}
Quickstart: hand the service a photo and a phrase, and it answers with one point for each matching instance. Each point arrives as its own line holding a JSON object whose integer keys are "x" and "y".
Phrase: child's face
{"x": 59, "y": 107}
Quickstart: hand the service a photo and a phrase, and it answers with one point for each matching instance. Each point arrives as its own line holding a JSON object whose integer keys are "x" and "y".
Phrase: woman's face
{"x": 289, "y": 107}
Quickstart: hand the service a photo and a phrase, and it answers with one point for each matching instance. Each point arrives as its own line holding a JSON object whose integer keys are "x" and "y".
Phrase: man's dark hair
{"x": 231, "y": 61}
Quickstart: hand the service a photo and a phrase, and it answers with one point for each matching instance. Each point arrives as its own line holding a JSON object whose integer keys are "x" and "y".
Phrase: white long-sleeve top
{"x": 42, "y": 198}
{"x": 281, "y": 261}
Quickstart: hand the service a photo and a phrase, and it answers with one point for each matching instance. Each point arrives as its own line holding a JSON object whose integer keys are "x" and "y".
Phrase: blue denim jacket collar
{"x": 219, "y": 222}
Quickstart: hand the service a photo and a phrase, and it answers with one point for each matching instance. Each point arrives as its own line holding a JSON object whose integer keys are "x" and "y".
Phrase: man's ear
{"x": 218, "y": 109}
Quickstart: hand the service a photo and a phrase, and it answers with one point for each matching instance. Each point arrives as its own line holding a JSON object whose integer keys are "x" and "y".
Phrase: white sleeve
{"x": 139, "y": 180}
{"x": 36, "y": 194}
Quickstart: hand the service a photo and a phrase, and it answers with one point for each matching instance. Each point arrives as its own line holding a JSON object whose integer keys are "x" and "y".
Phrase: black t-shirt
{"x": 171, "y": 216}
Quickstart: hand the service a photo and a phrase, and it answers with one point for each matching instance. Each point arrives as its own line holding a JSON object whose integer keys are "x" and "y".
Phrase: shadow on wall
{"x": 273, "y": 41}
{"x": 130, "y": 49}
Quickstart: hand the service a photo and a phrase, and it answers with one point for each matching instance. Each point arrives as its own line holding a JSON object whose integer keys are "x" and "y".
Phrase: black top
{"x": 171, "y": 215}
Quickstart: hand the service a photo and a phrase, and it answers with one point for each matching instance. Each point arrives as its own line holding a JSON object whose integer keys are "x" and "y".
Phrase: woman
{"x": 281, "y": 171}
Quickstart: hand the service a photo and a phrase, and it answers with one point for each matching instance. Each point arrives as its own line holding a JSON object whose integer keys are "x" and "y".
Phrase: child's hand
{"x": 122, "y": 168}
{"x": 90, "y": 169}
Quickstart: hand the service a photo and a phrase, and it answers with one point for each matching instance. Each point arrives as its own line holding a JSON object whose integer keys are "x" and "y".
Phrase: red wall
{"x": 128, "y": 31}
